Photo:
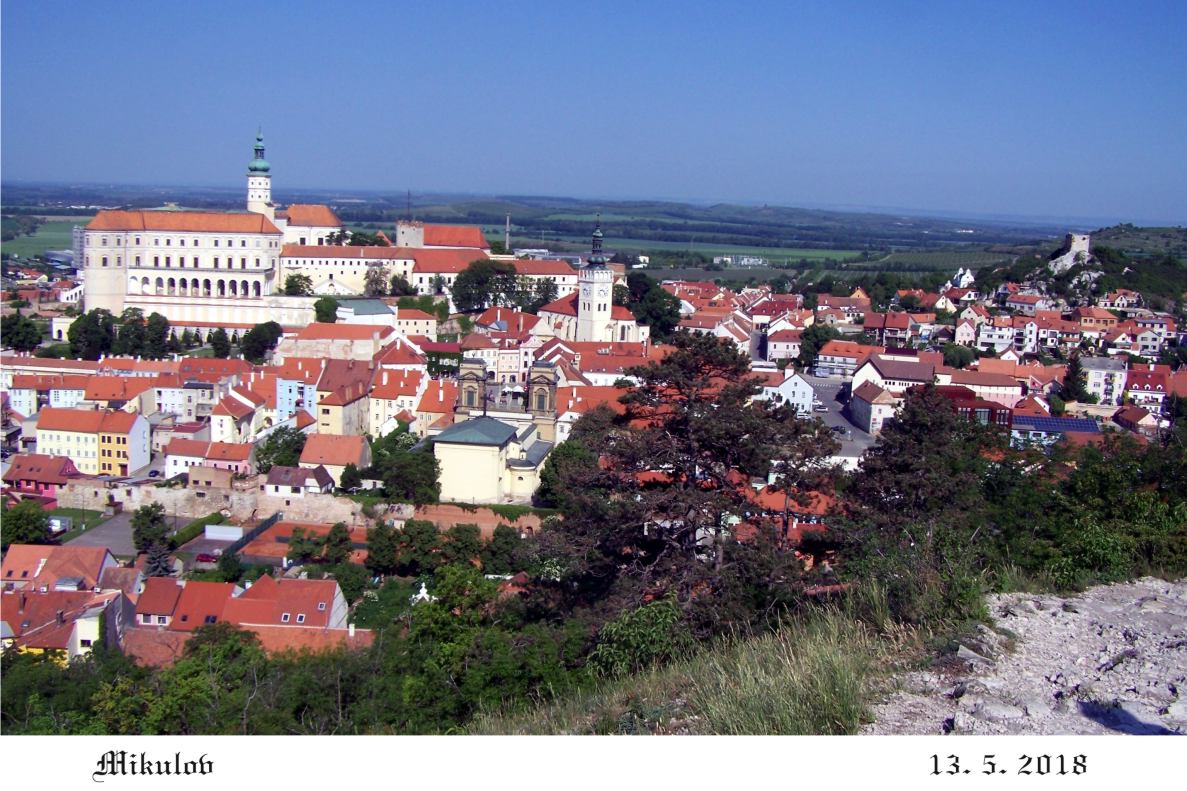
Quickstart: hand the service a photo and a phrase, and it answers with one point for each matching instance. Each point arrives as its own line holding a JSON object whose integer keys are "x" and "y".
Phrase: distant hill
{"x": 1138, "y": 242}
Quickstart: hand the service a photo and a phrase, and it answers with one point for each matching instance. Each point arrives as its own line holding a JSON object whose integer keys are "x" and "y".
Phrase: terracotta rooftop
{"x": 333, "y": 450}
{"x": 185, "y": 221}
{"x": 312, "y": 214}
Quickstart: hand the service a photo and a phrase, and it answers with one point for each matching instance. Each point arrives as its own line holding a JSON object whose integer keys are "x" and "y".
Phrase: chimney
{"x": 61, "y": 617}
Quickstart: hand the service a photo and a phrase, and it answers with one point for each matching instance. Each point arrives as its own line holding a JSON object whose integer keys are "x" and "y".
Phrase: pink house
{"x": 38, "y": 476}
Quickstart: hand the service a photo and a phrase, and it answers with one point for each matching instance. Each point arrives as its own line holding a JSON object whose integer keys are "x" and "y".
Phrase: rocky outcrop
{"x": 1112, "y": 660}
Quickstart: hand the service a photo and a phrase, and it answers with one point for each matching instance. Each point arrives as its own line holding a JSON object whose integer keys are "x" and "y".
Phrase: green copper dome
{"x": 259, "y": 164}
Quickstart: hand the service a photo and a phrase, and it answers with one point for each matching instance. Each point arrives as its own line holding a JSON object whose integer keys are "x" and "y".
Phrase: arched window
{"x": 160, "y": 285}
{"x": 256, "y": 288}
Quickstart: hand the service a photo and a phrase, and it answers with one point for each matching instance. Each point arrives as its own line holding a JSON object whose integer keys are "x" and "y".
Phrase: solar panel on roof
{"x": 1055, "y": 425}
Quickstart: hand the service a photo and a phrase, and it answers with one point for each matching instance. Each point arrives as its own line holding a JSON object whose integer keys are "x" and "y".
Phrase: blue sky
{"x": 1051, "y": 109}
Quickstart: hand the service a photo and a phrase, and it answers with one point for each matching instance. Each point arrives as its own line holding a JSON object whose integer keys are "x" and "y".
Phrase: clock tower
{"x": 595, "y": 295}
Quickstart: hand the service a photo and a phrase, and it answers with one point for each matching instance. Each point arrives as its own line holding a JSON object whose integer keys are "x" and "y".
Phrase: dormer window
{"x": 185, "y": 618}
{"x": 300, "y": 617}
{"x": 284, "y": 617}
{"x": 211, "y": 618}
{"x": 321, "y": 606}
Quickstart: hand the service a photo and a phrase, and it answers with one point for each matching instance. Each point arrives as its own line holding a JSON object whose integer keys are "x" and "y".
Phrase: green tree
{"x": 559, "y": 468}
{"x": 400, "y": 287}
{"x": 653, "y": 306}
{"x": 298, "y": 285}
{"x": 220, "y": 343}
{"x": 410, "y": 476}
{"x": 463, "y": 544}
{"x": 504, "y": 553}
{"x": 326, "y": 310}
{"x": 160, "y": 561}
{"x": 381, "y": 550}
{"x": 230, "y": 567}
{"x": 281, "y": 448}
{"x": 1075, "y": 382}
{"x": 92, "y": 334}
{"x": 352, "y": 579}
{"x": 156, "y": 337}
{"x": 811, "y": 341}
{"x": 187, "y": 339}
{"x": 485, "y": 283}
{"x": 1058, "y": 407}
{"x": 338, "y": 544}
{"x": 303, "y": 547}
{"x": 260, "y": 340}
{"x": 149, "y": 527}
{"x": 20, "y": 333}
{"x": 956, "y": 356}
{"x": 351, "y": 477}
{"x": 25, "y": 523}
{"x": 377, "y": 280}
{"x": 418, "y": 548}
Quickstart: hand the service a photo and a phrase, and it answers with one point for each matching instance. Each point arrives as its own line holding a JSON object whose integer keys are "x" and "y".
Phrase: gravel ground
{"x": 1111, "y": 660}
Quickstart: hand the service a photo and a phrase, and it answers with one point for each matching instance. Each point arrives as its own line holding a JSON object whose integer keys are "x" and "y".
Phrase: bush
{"x": 640, "y": 638}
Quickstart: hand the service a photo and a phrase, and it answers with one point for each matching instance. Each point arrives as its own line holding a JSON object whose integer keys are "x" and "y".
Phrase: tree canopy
{"x": 24, "y": 523}
{"x": 20, "y": 332}
{"x": 298, "y": 285}
{"x": 326, "y": 310}
{"x": 259, "y": 341}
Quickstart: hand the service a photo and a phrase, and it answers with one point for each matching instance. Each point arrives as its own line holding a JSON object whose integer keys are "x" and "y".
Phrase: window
{"x": 321, "y": 606}
{"x": 104, "y": 260}
{"x": 325, "y": 410}
{"x": 185, "y": 618}
{"x": 216, "y": 242}
{"x": 300, "y": 617}
{"x": 160, "y": 619}
{"x": 85, "y": 643}
{"x": 243, "y": 243}
{"x": 284, "y": 617}
{"x": 168, "y": 242}
{"x": 181, "y": 242}
{"x": 211, "y": 618}
{"x": 295, "y": 489}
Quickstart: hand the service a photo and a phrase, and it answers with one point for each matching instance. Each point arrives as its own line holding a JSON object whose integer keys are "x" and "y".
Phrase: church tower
{"x": 259, "y": 182}
{"x": 595, "y": 289}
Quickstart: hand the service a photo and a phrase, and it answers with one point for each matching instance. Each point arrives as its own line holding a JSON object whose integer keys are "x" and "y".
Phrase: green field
{"x": 54, "y": 234}
{"x": 923, "y": 261}
{"x": 80, "y": 517}
{"x": 773, "y": 254}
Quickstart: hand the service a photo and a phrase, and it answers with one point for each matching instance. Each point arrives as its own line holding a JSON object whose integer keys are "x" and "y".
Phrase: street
{"x": 828, "y": 391}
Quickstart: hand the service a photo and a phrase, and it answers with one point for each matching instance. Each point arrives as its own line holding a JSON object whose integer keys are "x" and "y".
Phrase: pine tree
{"x": 160, "y": 562}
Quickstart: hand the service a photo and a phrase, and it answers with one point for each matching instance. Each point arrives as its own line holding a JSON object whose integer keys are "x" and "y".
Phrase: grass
{"x": 52, "y": 235}
{"x": 79, "y": 515}
{"x": 818, "y": 674}
{"x": 379, "y": 609}
{"x": 941, "y": 260}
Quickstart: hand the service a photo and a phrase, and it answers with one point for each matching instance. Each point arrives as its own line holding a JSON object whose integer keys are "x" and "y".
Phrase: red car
{"x": 206, "y": 557}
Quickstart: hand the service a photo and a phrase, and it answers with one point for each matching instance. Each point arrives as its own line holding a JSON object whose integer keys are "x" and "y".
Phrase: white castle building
{"x": 202, "y": 266}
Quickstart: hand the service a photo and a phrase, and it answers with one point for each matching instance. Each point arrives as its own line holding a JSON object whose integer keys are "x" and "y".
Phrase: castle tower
{"x": 595, "y": 288}
{"x": 259, "y": 182}
{"x": 541, "y": 399}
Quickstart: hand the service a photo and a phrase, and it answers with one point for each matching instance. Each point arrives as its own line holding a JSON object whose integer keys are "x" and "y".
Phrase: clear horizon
{"x": 1064, "y": 112}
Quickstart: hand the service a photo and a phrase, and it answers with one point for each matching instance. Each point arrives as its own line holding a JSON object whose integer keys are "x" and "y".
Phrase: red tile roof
{"x": 454, "y": 236}
{"x": 312, "y": 214}
{"x": 359, "y": 252}
{"x": 159, "y": 596}
{"x": 199, "y": 603}
{"x": 41, "y": 468}
{"x": 184, "y": 221}
{"x": 443, "y": 261}
{"x": 333, "y": 450}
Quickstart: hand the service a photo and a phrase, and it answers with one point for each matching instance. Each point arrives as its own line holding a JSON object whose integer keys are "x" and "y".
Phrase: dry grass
{"x": 815, "y": 675}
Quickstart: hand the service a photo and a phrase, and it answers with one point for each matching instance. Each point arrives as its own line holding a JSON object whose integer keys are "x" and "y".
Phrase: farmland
{"x": 54, "y": 234}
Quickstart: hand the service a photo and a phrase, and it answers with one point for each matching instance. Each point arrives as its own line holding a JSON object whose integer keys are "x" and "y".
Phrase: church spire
{"x": 596, "y": 258}
{"x": 259, "y": 164}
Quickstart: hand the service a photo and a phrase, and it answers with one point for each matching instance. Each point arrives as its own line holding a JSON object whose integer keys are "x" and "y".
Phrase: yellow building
{"x": 99, "y": 442}
{"x": 484, "y": 460}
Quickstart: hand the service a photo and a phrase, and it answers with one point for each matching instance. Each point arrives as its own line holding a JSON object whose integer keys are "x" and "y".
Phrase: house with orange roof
{"x": 335, "y": 452}
{"x": 1147, "y": 385}
{"x": 417, "y": 235}
{"x": 1028, "y": 304}
{"x": 30, "y": 392}
{"x": 842, "y": 358}
{"x": 308, "y": 224}
{"x": 66, "y": 624}
{"x": 411, "y": 321}
{"x": 181, "y": 455}
{"x": 436, "y": 404}
{"x": 394, "y": 393}
{"x": 116, "y": 392}
{"x": 46, "y": 567}
{"x": 1121, "y": 299}
{"x": 313, "y": 604}
{"x": 337, "y": 342}
{"x": 575, "y": 401}
{"x": 99, "y": 442}
{"x": 784, "y": 344}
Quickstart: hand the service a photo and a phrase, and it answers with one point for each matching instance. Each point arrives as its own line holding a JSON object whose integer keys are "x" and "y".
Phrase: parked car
{"x": 820, "y": 408}
{"x": 206, "y": 557}
{"x": 154, "y": 473}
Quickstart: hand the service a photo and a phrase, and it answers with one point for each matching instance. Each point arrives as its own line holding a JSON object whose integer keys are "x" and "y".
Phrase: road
{"x": 828, "y": 390}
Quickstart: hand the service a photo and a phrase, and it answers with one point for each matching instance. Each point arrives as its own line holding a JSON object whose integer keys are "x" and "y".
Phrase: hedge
{"x": 194, "y": 529}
